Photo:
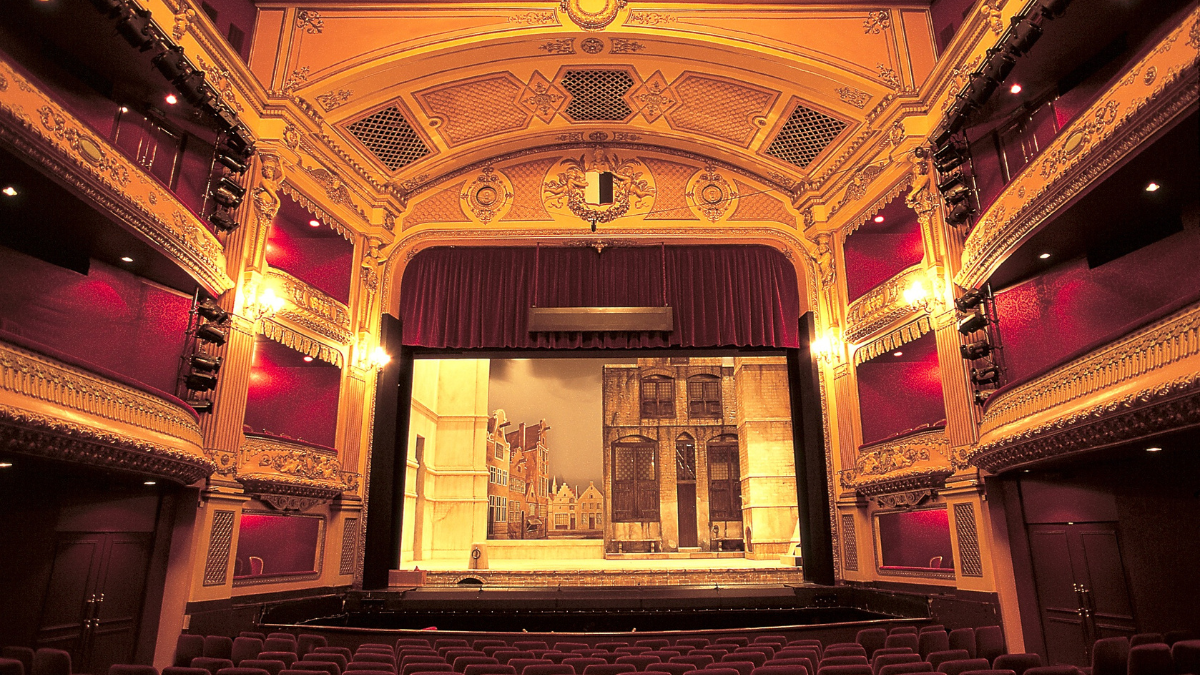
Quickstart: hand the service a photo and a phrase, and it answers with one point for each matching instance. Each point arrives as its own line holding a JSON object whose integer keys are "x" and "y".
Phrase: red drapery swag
{"x": 723, "y": 296}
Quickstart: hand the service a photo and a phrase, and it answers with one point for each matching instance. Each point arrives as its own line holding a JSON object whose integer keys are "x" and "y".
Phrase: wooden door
{"x": 94, "y": 600}
{"x": 1082, "y": 591}
{"x": 688, "y": 537}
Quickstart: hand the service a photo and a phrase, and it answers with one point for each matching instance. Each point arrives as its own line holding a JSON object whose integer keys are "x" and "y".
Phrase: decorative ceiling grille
{"x": 805, "y": 134}
{"x": 596, "y": 95}
{"x": 390, "y": 137}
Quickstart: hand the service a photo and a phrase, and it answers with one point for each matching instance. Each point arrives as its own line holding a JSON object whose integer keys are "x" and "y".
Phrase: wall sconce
{"x": 826, "y": 348}
{"x": 916, "y": 296}
{"x": 265, "y": 306}
{"x": 380, "y": 358}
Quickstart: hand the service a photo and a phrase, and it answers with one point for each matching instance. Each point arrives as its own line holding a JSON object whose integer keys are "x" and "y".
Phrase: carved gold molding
{"x": 899, "y": 337}
{"x": 915, "y": 461}
{"x": 1154, "y": 92}
{"x": 274, "y": 466}
{"x": 1142, "y": 378}
{"x": 287, "y": 337}
{"x": 312, "y": 308}
{"x": 54, "y": 410}
{"x": 42, "y": 130}
{"x": 881, "y": 306}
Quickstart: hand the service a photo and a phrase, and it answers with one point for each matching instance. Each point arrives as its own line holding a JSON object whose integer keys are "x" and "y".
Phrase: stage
{"x": 630, "y": 569}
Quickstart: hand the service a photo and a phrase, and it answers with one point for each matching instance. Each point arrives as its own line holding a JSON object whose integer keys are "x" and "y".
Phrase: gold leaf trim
{"x": 303, "y": 344}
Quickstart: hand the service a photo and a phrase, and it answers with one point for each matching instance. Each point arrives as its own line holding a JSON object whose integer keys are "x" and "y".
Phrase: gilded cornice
{"x": 1154, "y": 92}
{"x": 896, "y": 338}
{"x": 311, "y": 308}
{"x": 304, "y": 344}
{"x": 269, "y": 465}
{"x": 57, "y": 411}
{"x": 42, "y": 130}
{"x": 315, "y": 208}
{"x": 1155, "y": 367}
{"x": 881, "y": 307}
{"x": 44, "y": 383}
{"x": 917, "y": 460}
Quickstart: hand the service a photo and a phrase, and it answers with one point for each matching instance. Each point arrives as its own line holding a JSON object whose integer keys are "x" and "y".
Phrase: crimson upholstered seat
{"x": 844, "y": 670}
{"x": 653, "y": 643}
{"x": 553, "y": 669}
{"x": 211, "y": 664}
{"x": 276, "y": 644}
{"x": 717, "y": 669}
{"x": 218, "y": 647}
{"x": 932, "y": 628}
{"x": 580, "y": 662}
{"x": 564, "y": 646}
{"x": 1018, "y": 663}
{"x": 848, "y": 660}
{"x": 506, "y": 655}
{"x": 963, "y": 638}
{"x": 344, "y": 651}
{"x": 272, "y": 666}
{"x": 184, "y": 670}
{"x": 1186, "y": 654}
{"x": 1110, "y": 656}
{"x": 377, "y": 657}
{"x": 698, "y": 643}
{"x": 1054, "y": 670}
{"x": 932, "y": 641}
{"x": 757, "y": 658}
{"x": 871, "y": 639}
{"x": 670, "y": 668}
{"x": 905, "y": 668}
{"x": 936, "y": 659}
{"x": 336, "y": 659}
{"x": 317, "y": 666}
{"x": 844, "y": 649}
{"x": 1151, "y": 659}
{"x": 780, "y": 670}
{"x": 531, "y": 644}
{"x": 426, "y": 667}
{"x": 696, "y": 661}
{"x": 902, "y": 630}
{"x": 989, "y": 642}
{"x": 188, "y": 647}
{"x": 766, "y": 650}
{"x": 308, "y": 642}
{"x": 890, "y": 651}
{"x": 909, "y": 640}
{"x": 639, "y": 662}
{"x": 963, "y": 665}
{"x": 412, "y": 642}
{"x": 489, "y": 669}
{"x": 632, "y": 651}
{"x": 289, "y": 658}
{"x": 253, "y": 634}
{"x": 1146, "y": 639}
{"x": 245, "y": 648}
{"x": 242, "y": 671}
{"x": 734, "y": 640}
{"x": 374, "y": 666}
{"x": 521, "y": 664}
{"x": 460, "y": 664}
{"x": 778, "y": 640}
{"x": 988, "y": 672}
{"x": 742, "y": 666}
{"x": 443, "y": 643}
{"x": 809, "y": 666}
{"x": 13, "y": 667}
{"x": 891, "y": 659}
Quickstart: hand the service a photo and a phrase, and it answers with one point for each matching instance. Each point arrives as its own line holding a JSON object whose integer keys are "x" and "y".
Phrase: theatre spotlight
{"x": 134, "y": 25}
{"x": 981, "y": 397}
{"x": 1052, "y": 9}
{"x": 975, "y": 321}
{"x": 956, "y": 116}
{"x": 988, "y": 374}
{"x": 200, "y": 405}
{"x": 970, "y": 300}
{"x": 960, "y": 212}
{"x": 975, "y": 350}
{"x": 172, "y": 63}
{"x": 980, "y": 90}
{"x": 1024, "y": 34}
{"x": 949, "y": 156}
{"x": 999, "y": 65}
{"x": 223, "y": 221}
{"x": 941, "y": 137}
{"x": 957, "y": 195}
{"x": 226, "y": 118}
{"x": 228, "y": 193}
{"x": 211, "y": 333}
{"x": 231, "y": 160}
{"x": 197, "y": 381}
{"x": 194, "y": 89}
{"x": 212, "y": 312}
{"x": 205, "y": 363}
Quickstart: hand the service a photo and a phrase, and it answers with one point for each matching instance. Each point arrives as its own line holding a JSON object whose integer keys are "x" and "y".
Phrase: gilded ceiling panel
{"x": 672, "y": 179}
{"x": 720, "y": 108}
{"x": 468, "y": 110}
{"x": 441, "y": 207}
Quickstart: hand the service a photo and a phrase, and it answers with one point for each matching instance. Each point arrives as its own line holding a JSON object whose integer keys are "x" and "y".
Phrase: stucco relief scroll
{"x": 633, "y": 191}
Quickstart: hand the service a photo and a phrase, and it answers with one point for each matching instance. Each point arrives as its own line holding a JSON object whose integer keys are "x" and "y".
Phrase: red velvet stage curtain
{"x": 723, "y": 296}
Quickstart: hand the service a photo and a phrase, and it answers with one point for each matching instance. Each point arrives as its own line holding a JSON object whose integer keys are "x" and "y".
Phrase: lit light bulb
{"x": 171, "y": 99}
{"x": 878, "y": 219}
{"x": 380, "y": 357}
{"x": 1015, "y": 89}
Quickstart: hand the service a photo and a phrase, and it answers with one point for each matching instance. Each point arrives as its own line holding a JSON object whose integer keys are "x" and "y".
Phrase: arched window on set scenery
{"x": 658, "y": 397}
{"x": 704, "y": 396}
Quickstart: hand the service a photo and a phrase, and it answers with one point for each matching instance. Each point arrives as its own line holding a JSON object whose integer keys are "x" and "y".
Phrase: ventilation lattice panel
{"x": 805, "y": 134}
{"x": 390, "y": 137}
{"x": 596, "y": 95}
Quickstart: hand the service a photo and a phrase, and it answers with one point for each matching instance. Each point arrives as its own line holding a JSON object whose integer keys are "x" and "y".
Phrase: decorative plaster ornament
{"x": 592, "y": 14}
{"x": 631, "y": 187}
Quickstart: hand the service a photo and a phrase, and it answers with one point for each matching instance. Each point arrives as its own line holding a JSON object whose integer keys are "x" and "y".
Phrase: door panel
{"x": 1106, "y": 586}
{"x": 122, "y": 587}
{"x": 1054, "y": 577}
{"x": 688, "y": 537}
{"x": 72, "y": 578}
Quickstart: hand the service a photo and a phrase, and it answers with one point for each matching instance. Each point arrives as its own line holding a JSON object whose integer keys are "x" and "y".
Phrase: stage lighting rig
{"x": 1052, "y": 9}
{"x": 223, "y": 220}
{"x": 974, "y": 351}
{"x": 171, "y": 63}
{"x": 989, "y": 374}
{"x": 134, "y": 25}
{"x": 950, "y": 155}
{"x": 202, "y": 406}
{"x": 970, "y": 300}
{"x": 228, "y": 193}
{"x": 999, "y": 64}
{"x": 1023, "y": 34}
{"x": 981, "y": 397}
{"x": 972, "y": 322}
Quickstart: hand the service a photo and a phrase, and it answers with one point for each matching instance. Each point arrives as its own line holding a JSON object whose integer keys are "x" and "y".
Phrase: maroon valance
{"x": 722, "y": 296}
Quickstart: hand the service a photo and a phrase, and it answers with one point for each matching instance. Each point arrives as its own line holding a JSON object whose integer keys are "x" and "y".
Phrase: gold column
{"x": 956, "y": 390}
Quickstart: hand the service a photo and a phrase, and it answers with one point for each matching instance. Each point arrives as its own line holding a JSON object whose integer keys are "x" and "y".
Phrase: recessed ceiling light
{"x": 5, "y": 465}
{"x": 124, "y": 109}
{"x": 878, "y": 219}
{"x": 1015, "y": 89}
{"x": 150, "y": 482}
{"x": 126, "y": 258}
{"x": 1044, "y": 256}
{"x": 10, "y": 191}
{"x": 171, "y": 100}
{"x": 314, "y": 223}
{"x": 308, "y": 359}
{"x": 897, "y": 353}
{"x": 1153, "y": 187}
{"x": 1153, "y": 449}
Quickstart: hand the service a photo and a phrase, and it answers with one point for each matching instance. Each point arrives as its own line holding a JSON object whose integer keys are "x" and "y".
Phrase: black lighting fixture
{"x": 974, "y": 351}
{"x": 979, "y": 90}
{"x": 975, "y": 321}
{"x": 951, "y": 180}
{"x": 210, "y": 311}
{"x": 989, "y": 374}
{"x": 212, "y": 333}
{"x": 999, "y": 64}
{"x": 228, "y": 193}
{"x": 958, "y": 115}
{"x": 199, "y": 381}
{"x": 202, "y": 406}
{"x": 108, "y": 7}
{"x": 234, "y": 160}
{"x": 1023, "y": 35}
{"x": 171, "y": 63}
{"x": 981, "y": 397}
{"x": 205, "y": 363}
{"x": 950, "y": 155}
{"x": 226, "y": 118}
{"x": 195, "y": 90}
{"x": 134, "y": 25}
{"x": 960, "y": 213}
{"x": 223, "y": 220}
{"x": 970, "y": 300}
{"x": 957, "y": 195}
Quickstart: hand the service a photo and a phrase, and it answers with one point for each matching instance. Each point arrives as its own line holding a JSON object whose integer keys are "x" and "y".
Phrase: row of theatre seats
{"x": 902, "y": 651}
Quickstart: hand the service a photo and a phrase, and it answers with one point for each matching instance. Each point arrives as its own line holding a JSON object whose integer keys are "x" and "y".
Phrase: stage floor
{"x": 641, "y": 571}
